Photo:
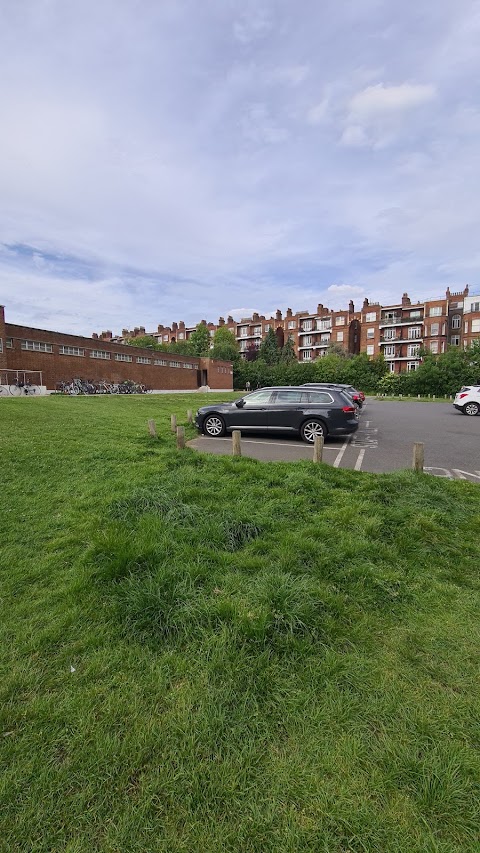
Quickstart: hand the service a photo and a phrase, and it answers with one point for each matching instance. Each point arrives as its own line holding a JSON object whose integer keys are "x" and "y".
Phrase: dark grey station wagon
{"x": 306, "y": 411}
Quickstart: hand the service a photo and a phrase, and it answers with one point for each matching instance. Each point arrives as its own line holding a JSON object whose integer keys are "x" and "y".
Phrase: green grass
{"x": 268, "y": 657}
{"x": 414, "y": 399}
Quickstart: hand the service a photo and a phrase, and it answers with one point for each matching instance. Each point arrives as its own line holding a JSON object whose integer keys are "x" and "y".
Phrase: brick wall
{"x": 3, "y": 335}
{"x": 60, "y": 368}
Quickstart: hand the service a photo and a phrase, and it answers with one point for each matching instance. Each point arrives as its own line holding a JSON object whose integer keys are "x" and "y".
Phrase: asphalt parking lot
{"x": 383, "y": 442}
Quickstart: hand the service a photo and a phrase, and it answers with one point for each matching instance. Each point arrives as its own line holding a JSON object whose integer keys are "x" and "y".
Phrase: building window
{"x": 71, "y": 351}
{"x": 475, "y": 325}
{"x": 371, "y": 317}
{"x": 9, "y": 343}
{"x": 1, "y": 344}
{"x": 161, "y": 362}
{"x": 257, "y": 330}
{"x": 339, "y": 321}
{"x": 370, "y": 333}
{"x": 100, "y": 353}
{"x": 475, "y": 306}
{"x": 188, "y": 366}
{"x": 243, "y": 332}
{"x": 413, "y": 349}
{"x": 370, "y": 349}
{"x": 121, "y": 356}
{"x": 175, "y": 364}
{"x": 436, "y": 311}
{"x": 307, "y": 341}
{"x": 141, "y": 359}
{"x": 36, "y": 346}
{"x": 340, "y": 337}
{"x": 434, "y": 329}
{"x": 266, "y": 328}
{"x": 414, "y": 315}
{"x": 412, "y": 365}
{"x": 325, "y": 324}
{"x": 292, "y": 324}
{"x": 465, "y": 327}
{"x": 414, "y": 332}
{"x": 456, "y": 320}
{"x": 389, "y": 352}
{"x": 389, "y": 334}
{"x": 434, "y": 347}
{"x": 181, "y": 336}
{"x": 243, "y": 346}
{"x": 391, "y": 366}
{"x": 307, "y": 326}
{"x": 307, "y": 355}
{"x": 455, "y": 340}
{"x": 325, "y": 339}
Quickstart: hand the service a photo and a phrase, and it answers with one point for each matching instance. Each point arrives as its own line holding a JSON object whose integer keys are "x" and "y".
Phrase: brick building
{"x": 62, "y": 357}
{"x": 398, "y": 331}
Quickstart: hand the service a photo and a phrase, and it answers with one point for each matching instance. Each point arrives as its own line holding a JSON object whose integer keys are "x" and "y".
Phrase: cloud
{"x": 354, "y": 136}
{"x": 318, "y": 113}
{"x": 380, "y": 100}
{"x": 345, "y": 288}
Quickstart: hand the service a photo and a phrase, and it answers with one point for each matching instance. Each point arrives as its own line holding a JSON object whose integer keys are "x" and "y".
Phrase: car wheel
{"x": 471, "y": 409}
{"x": 311, "y": 428}
{"x": 214, "y": 426}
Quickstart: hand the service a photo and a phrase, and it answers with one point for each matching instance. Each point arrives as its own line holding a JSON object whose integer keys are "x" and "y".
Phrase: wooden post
{"x": 418, "y": 456}
{"x": 236, "y": 442}
{"x": 189, "y": 416}
{"x": 318, "y": 448}
{"x": 173, "y": 421}
{"x": 152, "y": 428}
{"x": 181, "y": 438}
{"x": 434, "y": 398}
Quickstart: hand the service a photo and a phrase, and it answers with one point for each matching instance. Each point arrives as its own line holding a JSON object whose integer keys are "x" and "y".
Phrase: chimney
{"x": 289, "y": 312}
{"x": 466, "y": 290}
{"x": 125, "y": 333}
{"x": 230, "y": 319}
{"x": 405, "y": 300}
{"x": 447, "y": 293}
{"x": 95, "y": 336}
{"x": 203, "y": 322}
{"x": 255, "y": 317}
{"x": 365, "y": 304}
{"x": 319, "y": 308}
{"x": 351, "y": 307}
{"x": 174, "y": 327}
{"x": 181, "y": 324}
{"x": 278, "y": 315}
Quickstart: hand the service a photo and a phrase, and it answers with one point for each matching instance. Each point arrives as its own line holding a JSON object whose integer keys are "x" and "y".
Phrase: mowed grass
{"x": 267, "y": 657}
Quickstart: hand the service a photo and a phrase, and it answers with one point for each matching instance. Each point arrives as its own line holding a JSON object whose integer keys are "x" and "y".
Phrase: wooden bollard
{"x": 236, "y": 442}
{"x": 189, "y": 416}
{"x": 318, "y": 448}
{"x": 418, "y": 456}
{"x": 173, "y": 421}
{"x": 152, "y": 428}
{"x": 180, "y": 438}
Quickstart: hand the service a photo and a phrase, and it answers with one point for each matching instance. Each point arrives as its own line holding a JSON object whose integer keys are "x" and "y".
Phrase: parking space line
{"x": 358, "y": 463}
{"x": 340, "y": 454}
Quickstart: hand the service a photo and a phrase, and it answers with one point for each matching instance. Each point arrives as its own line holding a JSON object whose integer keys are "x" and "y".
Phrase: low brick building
{"x": 62, "y": 357}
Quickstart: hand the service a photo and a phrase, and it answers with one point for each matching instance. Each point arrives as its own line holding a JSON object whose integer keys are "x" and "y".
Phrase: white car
{"x": 467, "y": 400}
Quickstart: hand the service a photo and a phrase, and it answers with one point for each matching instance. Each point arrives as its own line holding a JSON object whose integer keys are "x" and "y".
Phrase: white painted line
{"x": 266, "y": 443}
{"x": 358, "y": 463}
{"x": 340, "y": 455}
{"x": 461, "y": 474}
{"x": 367, "y": 424}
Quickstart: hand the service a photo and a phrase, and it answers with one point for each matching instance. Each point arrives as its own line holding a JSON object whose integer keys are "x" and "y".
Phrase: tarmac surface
{"x": 383, "y": 442}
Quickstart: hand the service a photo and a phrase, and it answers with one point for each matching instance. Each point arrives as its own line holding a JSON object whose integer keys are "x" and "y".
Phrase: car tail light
{"x": 462, "y": 395}
{"x": 348, "y": 410}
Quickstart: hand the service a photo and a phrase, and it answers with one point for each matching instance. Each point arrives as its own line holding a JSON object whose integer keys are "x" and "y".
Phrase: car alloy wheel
{"x": 471, "y": 409}
{"x": 311, "y": 429}
{"x": 214, "y": 426}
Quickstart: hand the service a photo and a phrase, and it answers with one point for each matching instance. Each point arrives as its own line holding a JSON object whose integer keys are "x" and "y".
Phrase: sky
{"x": 168, "y": 160}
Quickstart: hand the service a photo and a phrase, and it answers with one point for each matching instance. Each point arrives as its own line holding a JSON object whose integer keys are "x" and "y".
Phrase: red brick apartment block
{"x": 62, "y": 357}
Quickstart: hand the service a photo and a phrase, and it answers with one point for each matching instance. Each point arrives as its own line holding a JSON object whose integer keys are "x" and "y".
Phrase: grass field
{"x": 215, "y": 654}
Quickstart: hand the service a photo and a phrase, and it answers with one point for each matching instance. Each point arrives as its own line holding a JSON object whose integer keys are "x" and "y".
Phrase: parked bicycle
{"x": 19, "y": 389}
{"x": 81, "y": 386}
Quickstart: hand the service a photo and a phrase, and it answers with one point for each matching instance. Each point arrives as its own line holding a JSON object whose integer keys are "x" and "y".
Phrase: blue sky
{"x": 181, "y": 159}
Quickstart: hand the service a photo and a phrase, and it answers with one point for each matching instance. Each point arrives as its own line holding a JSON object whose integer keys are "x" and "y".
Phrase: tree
{"x": 269, "y": 351}
{"x": 200, "y": 340}
{"x": 225, "y": 346}
{"x": 287, "y": 353}
{"x": 143, "y": 341}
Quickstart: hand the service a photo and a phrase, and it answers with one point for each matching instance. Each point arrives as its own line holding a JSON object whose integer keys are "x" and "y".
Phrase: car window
{"x": 320, "y": 397}
{"x": 257, "y": 398}
{"x": 290, "y": 397}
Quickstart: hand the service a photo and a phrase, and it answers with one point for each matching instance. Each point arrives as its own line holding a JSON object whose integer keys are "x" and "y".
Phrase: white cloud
{"x": 378, "y": 100}
{"x": 345, "y": 288}
{"x": 318, "y": 113}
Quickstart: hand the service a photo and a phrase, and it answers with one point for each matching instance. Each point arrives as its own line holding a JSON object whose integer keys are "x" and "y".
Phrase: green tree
{"x": 200, "y": 340}
{"x": 287, "y": 353}
{"x": 269, "y": 351}
{"x": 144, "y": 341}
{"x": 225, "y": 346}
{"x": 180, "y": 347}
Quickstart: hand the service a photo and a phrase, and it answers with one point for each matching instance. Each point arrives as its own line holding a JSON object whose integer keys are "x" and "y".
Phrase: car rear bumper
{"x": 350, "y": 427}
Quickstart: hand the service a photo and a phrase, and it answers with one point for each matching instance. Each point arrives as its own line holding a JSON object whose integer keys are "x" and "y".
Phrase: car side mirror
{"x": 240, "y": 403}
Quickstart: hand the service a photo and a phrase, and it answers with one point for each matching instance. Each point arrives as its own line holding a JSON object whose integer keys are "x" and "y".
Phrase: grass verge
{"x": 226, "y": 655}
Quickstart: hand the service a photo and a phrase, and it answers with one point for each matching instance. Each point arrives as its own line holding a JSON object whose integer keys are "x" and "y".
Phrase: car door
{"x": 286, "y": 409}
{"x": 252, "y": 414}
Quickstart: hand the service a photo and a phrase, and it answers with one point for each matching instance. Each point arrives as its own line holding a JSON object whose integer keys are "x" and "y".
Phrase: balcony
{"x": 400, "y": 321}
